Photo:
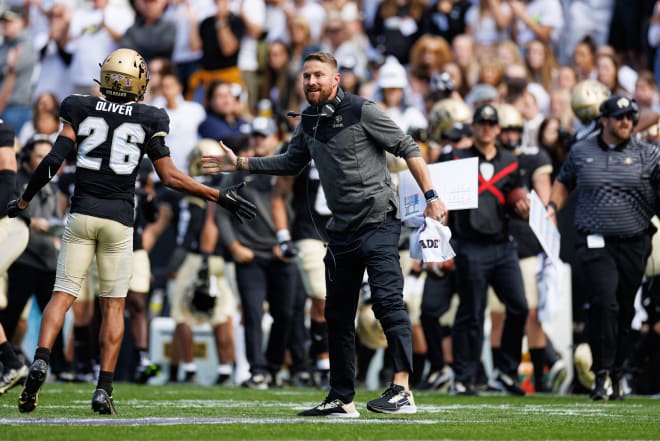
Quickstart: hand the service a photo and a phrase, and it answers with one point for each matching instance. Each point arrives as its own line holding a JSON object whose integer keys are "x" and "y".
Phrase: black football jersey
{"x": 111, "y": 139}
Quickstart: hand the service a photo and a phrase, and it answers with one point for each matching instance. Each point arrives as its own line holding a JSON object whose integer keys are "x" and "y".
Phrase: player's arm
{"x": 176, "y": 179}
{"x": 46, "y": 170}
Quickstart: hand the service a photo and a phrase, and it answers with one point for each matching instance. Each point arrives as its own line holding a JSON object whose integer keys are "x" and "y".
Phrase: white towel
{"x": 430, "y": 242}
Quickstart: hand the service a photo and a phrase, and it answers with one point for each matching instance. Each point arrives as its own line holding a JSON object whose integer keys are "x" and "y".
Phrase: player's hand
{"x": 14, "y": 208}
{"x": 241, "y": 208}
{"x": 225, "y": 161}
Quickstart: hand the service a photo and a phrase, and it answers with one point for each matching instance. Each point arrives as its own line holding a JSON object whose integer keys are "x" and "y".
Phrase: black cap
{"x": 618, "y": 105}
{"x": 486, "y": 113}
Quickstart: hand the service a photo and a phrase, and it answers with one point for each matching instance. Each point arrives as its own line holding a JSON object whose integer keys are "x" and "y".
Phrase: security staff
{"x": 485, "y": 255}
{"x": 615, "y": 178}
{"x": 347, "y": 137}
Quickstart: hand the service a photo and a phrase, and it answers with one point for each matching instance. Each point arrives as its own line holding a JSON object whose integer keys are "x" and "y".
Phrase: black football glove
{"x": 13, "y": 209}
{"x": 241, "y": 208}
{"x": 288, "y": 249}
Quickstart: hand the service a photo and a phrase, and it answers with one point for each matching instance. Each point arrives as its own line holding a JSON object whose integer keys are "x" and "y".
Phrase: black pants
{"x": 479, "y": 265}
{"x": 435, "y": 302}
{"x": 374, "y": 247}
{"x": 614, "y": 273}
{"x": 274, "y": 281}
{"x": 23, "y": 282}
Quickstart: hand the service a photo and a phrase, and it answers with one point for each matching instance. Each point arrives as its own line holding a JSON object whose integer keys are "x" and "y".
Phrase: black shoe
{"x": 29, "y": 398}
{"x": 322, "y": 378}
{"x": 300, "y": 379}
{"x": 437, "y": 380}
{"x": 13, "y": 377}
{"x": 103, "y": 403}
{"x": 508, "y": 384}
{"x": 146, "y": 371}
{"x": 394, "y": 400}
{"x": 332, "y": 408}
{"x": 223, "y": 380}
{"x": 257, "y": 381}
{"x": 462, "y": 389}
{"x": 599, "y": 392}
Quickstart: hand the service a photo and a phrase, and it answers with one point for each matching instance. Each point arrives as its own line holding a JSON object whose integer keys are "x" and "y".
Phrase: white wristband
{"x": 283, "y": 235}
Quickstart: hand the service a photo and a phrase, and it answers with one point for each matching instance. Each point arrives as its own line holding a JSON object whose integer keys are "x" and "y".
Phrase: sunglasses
{"x": 630, "y": 116}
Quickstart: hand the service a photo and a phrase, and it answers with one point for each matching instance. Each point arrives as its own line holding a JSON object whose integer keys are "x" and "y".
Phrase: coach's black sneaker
{"x": 332, "y": 408}
{"x": 394, "y": 400}
{"x": 12, "y": 377}
{"x": 103, "y": 403}
{"x": 508, "y": 384}
{"x": 29, "y": 398}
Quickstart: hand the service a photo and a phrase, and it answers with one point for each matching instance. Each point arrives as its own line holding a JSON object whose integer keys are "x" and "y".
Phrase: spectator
{"x": 186, "y": 16}
{"x": 220, "y": 37}
{"x": 398, "y": 25}
{"x": 584, "y": 59}
{"x": 541, "y": 64}
{"x": 463, "y": 52}
{"x": 446, "y": 18}
{"x": 18, "y": 59}
{"x": 54, "y": 55}
{"x": 489, "y": 23}
{"x": 302, "y": 43}
{"x": 45, "y": 104}
{"x": 537, "y": 19}
{"x": 185, "y": 119}
{"x": 654, "y": 40}
{"x": 251, "y": 59}
{"x": 607, "y": 73}
{"x": 279, "y": 80}
{"x": 222, "y": 121}
{"x": 94, "y": 31}
{"x": 151, "y": 34}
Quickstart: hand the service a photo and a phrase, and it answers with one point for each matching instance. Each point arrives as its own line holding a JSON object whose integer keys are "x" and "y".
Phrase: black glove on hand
{"x": 243, "y": 209}
{"x": 13, "y": 209}
{"x": 288, "y": 249}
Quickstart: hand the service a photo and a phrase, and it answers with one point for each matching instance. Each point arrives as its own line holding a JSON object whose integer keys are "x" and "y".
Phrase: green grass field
{"x": 214, "y": 413}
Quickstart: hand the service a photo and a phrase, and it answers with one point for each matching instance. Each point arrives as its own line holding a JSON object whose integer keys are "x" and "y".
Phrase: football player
{"x": 110, "y": 135}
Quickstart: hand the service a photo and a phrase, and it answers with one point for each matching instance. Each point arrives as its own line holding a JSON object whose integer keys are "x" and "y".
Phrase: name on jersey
{"x": 121, "y": 109}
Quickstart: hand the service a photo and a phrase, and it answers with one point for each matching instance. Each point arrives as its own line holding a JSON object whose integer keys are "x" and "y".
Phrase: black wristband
{"x": 553, "y": 205}
{"x": 431, "y": 195}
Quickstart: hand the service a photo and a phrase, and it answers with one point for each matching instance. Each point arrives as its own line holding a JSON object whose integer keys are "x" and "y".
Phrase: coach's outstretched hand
{"x": 14, "y": 208}
{"x": 223, "y": 161}
{"x": 243, "y": 209}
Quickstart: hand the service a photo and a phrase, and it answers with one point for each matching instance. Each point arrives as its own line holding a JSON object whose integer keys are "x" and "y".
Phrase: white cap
{"x": 392, "y": 75}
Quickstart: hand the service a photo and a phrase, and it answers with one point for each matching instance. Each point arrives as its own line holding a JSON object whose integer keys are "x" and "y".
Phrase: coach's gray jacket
{"x": 348, "y": 148}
